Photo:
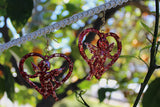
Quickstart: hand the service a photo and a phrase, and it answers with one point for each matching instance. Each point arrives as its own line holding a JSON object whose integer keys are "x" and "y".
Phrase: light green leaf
{"x": 146, "y": 28}
{"x": 127, "y": 56}
{"x": 146, "y": 47}
{"x": 128, "y": 9}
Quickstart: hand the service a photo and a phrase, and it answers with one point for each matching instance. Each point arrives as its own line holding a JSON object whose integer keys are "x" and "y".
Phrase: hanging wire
{"x": 61, "y": 24}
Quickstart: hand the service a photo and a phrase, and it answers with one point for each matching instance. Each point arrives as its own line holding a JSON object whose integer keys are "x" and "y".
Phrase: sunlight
{"x": 39, "y": 8}
{"x": 66, "y": 49}
{"x": 103, "y": 82}
{"x": 66, "y": 1}
{"x": 134, "y": 86}
{"x": 1, "y": 21}
{"x": 13, "y": 30}
{"x": 112, "y": 83}
{"x": 65, "y": 13}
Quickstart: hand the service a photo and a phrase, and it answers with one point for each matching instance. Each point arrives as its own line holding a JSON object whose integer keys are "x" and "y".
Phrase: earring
{"x": 46, "y": 76}
{"x": 101, "y": 52}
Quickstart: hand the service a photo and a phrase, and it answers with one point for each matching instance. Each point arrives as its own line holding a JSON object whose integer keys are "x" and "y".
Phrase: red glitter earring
{"x": 47, "y": 78}
{"x": 100, "y": 52}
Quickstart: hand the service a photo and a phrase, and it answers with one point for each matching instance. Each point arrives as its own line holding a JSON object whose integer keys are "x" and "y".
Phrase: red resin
{"x": 46, "y": 78}
{"x": 100, "y": 52}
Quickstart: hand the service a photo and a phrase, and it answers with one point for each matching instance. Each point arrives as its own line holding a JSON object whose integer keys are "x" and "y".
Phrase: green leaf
{"x": 146, "y": 28}
{"x": 2, "y": 87}
{"x": 72, "y": 8}
{"x": 3, "y": 8}
{"x": 110, "y": 89}
{"x": 151, "y": 97}
{"x": 75, "y": 52}
{"x": 146, "y": 47}
{"x": 9, "y": 83}
{"x": 51, "y": 6}
{"x": 102, "y": 91}
{"x": 19, "y": 11}
{"x": 128, "y": 9}
{"x": 101, "y": 94}
{"x": 153, "y": 12}
{"x": 127, "y": 56}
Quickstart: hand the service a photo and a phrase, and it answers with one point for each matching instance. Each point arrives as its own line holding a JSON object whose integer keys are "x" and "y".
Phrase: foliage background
{"x": 133, "y": 22}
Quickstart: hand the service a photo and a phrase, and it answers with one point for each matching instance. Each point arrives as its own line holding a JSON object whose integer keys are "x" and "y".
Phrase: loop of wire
{"x": 61, "y": 24}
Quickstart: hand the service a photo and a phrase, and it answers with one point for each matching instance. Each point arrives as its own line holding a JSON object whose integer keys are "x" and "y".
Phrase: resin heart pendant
{"x": 101, "y": 52}
{"x": 47, "y": 78}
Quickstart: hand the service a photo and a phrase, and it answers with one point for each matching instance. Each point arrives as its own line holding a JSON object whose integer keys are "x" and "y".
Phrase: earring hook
{"x": 46, "y": 50}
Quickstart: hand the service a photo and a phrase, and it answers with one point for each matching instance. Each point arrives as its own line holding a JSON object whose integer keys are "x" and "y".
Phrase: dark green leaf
{"x": 72, "y": 8}
{"x": 9, "y": 83}
{"x": 102, "y": 91}
{"x": 146, "y": 28}
{"x": 101, "y": 94}
{"x": 151, "y": 97}
{"x": 110, "y": 89}
{"x": 2, "y": 7}
{"x": 2, "y": 87}
{"x": 19, "y": 11}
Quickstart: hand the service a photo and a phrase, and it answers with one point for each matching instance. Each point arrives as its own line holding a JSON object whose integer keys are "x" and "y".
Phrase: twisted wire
{"x": 61, "y": 24}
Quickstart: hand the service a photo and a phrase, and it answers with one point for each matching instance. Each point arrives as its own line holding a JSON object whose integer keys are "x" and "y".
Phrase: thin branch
{"x": 136, "y": 57}
{"x": 157, "y": 46}
{"x": 153, "y": 56}
{"x": 19, "y": 79}
{"x": 143, "y": 61}
{"x": 80, "y": 95}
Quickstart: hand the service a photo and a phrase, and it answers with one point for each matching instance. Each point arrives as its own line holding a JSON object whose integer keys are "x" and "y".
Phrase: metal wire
{"x": 61, "y": 24}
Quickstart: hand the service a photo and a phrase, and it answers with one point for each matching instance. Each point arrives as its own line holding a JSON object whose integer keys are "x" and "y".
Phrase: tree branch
{"x": 152, "y": 55}
{"x": 19, "y": 79}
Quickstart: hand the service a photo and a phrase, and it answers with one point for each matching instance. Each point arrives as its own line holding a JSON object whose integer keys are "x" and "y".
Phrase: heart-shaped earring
{"x": 100, "y": 52}
{"x": 47, "y": 78}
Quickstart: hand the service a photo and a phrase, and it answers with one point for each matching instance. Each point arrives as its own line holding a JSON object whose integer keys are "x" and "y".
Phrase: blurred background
{"x": 133, "y": 22}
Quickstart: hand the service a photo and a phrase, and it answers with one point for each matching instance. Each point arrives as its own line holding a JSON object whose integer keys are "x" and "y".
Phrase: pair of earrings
{"x": 97, "y": 67}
